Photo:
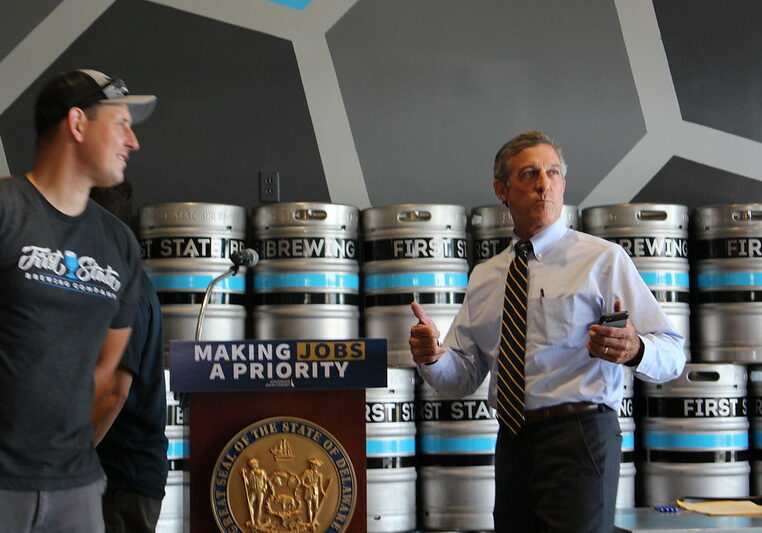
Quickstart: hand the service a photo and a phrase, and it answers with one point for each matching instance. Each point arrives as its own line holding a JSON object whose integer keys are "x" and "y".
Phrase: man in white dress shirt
{"x": 559, "y": 471}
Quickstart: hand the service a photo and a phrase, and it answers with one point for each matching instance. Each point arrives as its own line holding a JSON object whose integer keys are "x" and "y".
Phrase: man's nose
{"x": 132, "y": 141}
{"x": 542, "y": 181}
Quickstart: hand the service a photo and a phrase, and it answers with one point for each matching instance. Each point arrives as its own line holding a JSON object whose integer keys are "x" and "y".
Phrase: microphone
{"x": 247, "y": 257}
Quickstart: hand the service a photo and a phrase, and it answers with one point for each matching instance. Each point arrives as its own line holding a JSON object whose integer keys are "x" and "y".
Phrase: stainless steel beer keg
{"x": 655, "y": 236}
{"x": 174, "y": 515}
{"x": 306, "y": 284}
{"x": 390, "y": 452}
{"x": 185, "y": 246}
{"x": 625, "y": 496}
{"x": 755, "y": 432}
{"x": 729, "y": 265}
{"x": 456, "y": 460}
{"x": 696, "y": 435}
{"x": 492, "y": 226}
{"x": 412, "y": 252}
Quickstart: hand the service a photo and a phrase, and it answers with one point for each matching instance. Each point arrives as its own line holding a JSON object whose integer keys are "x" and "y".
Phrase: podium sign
{"x": 277, "y": 432}
{"x": 304, "y": 364}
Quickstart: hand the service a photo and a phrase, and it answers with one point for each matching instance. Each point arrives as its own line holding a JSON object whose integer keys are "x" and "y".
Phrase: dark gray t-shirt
{"x": 64, "y": 281}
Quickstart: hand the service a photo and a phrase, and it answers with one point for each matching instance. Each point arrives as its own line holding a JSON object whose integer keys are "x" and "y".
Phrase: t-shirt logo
{"x": 70, "y": 260}
{"x": 70, "y": 271}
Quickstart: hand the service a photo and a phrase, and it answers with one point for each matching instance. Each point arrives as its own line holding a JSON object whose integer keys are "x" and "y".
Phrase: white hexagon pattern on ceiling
{"x": 448, "y": 115}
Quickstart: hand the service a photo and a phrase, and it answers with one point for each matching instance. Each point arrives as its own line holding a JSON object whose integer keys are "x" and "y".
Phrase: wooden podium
{"x": 295, "y": 407}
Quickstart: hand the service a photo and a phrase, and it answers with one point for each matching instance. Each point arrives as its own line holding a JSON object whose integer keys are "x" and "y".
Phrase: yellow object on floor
{"x": 723, "y": 507}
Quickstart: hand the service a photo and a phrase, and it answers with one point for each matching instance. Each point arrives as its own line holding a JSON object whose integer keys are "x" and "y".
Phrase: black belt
{"x": 675, "y": 456}
{"x": 534, "y": 416}
{"x": 171, "y": 298}
{"x": 178, "y": 464}
{"x": 407, "y": 461}
{"x": 456, "y": 460}
{"x": 672, "y": 296}
{"x": 306, "y": 298}
{"x": 376, "y": 300}
{"x": 723, "y": 297}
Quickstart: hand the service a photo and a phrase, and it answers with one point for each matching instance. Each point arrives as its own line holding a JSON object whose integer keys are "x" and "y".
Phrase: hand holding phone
{"x": 621, "y": 345}
{"x": 617, "y": 319}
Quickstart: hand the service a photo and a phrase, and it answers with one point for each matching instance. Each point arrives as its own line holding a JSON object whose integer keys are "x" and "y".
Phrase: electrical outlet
{"x": 269, "y": 186}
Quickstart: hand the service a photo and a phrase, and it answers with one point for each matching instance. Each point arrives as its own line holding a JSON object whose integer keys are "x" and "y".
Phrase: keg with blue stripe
{"x": 696, "y": 435}
{"x": 492, "y": 227}
{"x": 729, "y": 265}
{"x": 655, "y": 236}
{"x": 412, "y": 252}
{"x": 390, "y": 453}
{"x": 456, "y": 459}
{"x": 185, "y": 246}
{"x": 625, "y": 496}
{"x": 174, "y": 517}
{"x": 307, "y": 281}
{"x": 755, "y": 420}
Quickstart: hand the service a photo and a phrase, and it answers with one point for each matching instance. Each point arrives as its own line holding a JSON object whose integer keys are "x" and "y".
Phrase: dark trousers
{"x": 126, "y": 511}
{"x": 559, "y": 476}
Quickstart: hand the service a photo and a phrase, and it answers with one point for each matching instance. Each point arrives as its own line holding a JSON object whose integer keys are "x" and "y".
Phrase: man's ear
{"x": 501, "y": 190}
{"x": 75, "y": 123}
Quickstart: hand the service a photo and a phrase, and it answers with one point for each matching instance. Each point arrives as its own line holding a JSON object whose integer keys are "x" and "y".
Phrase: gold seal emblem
{"x": 283, "y": 475}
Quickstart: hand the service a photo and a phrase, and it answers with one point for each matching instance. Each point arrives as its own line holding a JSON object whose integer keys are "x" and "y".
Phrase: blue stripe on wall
{"x": 177, "y": 448}
{"x": 465, "y": 444}
{"x": 725, "y": 279}
{"x": 671, "y": 279}
{"x": 666, "y": 440}
{"x": 294, "y": 4}
{"x": 275, "y": 281}
{"x": 387, "y": 447}
{"x": 422, "y": 279}
{"x": 177, "y": 282}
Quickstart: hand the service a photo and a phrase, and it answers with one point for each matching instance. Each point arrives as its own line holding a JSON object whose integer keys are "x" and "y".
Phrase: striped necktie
{"x": 510, "y": 382}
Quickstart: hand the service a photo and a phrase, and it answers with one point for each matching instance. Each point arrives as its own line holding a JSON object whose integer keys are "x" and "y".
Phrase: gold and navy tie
{"x": 510, "y": 382}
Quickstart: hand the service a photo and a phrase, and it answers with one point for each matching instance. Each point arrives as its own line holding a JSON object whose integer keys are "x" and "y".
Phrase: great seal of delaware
{"x": 283, "y": 474}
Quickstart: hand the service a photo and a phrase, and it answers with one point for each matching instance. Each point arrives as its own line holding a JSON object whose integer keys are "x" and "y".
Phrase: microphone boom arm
{"x": 246, "y": 257}
{"x": 200, "y": 322}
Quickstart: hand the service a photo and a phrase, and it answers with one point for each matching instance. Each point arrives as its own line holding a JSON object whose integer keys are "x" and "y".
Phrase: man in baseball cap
{"x": 70, "y": 278}
{"x": 84, "y": 88}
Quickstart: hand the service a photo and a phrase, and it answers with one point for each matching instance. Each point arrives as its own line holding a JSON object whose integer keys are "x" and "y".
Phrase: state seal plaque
{"x": 281, "y": 475}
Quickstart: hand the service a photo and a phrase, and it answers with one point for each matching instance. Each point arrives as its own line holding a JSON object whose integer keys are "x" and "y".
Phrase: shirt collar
{"x": 545, "y": 238}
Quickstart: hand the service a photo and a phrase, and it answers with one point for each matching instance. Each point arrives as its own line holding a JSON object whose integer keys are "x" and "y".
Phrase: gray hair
{"x": 520, "y": 142}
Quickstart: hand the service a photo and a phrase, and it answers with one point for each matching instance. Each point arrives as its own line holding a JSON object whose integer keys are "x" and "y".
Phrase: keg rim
{"x": 728, "y": 206}
{"x": 181, "y": 204}
{"x": 165, "y": 216}
{"x": 505, "y": 207}
{"x": 412, "y": 205}
{"x": 301, "y": 203}
{"x": 634, "y": 204}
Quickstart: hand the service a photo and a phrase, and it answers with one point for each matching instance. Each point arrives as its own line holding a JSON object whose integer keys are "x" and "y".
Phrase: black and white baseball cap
{"x": 84, "y": 88}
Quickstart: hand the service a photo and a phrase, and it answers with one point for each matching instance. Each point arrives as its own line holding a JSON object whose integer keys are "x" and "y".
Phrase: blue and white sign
{"x": 295, "y": 364}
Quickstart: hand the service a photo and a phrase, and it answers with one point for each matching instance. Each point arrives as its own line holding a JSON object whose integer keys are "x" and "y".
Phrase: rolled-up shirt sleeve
{"x": 663, "y": 357}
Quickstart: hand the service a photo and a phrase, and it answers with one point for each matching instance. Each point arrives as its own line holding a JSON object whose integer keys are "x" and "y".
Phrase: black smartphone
{"x": 614, "y": 320}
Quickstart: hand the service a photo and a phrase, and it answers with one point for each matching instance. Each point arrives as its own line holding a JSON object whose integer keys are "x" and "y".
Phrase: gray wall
{"x": 377, "y": 102}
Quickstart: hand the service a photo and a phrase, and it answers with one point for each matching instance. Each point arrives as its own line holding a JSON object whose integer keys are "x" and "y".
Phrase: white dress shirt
{"x": 574, "y": 278}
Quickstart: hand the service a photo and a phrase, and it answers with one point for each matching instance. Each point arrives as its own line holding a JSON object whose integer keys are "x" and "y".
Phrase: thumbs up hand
{"x": 424, "y": 338}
